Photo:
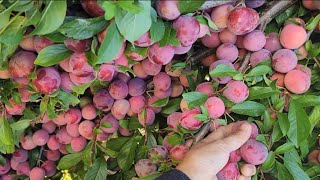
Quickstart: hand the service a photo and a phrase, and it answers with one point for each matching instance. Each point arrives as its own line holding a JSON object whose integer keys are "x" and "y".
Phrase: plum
{"x": 227, "y": 37}
{"x": 21, "y": 64}
{"x": 65, "y": 65}
{"x": 60, "y": 120}
{"x": 150, "y": 68}
{"x": 20, "y": 155}
{"x": 229, "y": 171}
{"x": 259, "y": 56}
{"x": 279, "y": 77}
{"x": 168, "y": 9}
{"x": 182, "y": 49}
{"x": 254, "y": 3}
{"x": 86, "y": 129}
{"x": 88, "y": 112}
{"x": 188, "y": 121}
{"x": 227, "y": 51}
{"x": 73, "y": 116}
{"x": 80, "y": 80}
{"x": 171, "y": 71}
{"x": 15, "y": 108}
{"x": 63, "y": 136}
{"x": 102, "y": 100}
{"x": 27, "y": 43}
{"x": 145, "y": 167}
{"x": 225, "y": 79}
{"x": 147, "y": 118}
{"x": 212, "y": 40}
{"x": 144, "y": 40}
{"x": 284, "y": 60}
{"x": 41, "y": 43}
{"x": 272, "y": 42}
{"x": 66, "y": 83}
{"x": 254, "y": 41}
{"x": 173, "y": 120}
{"x": 49, "y": 167}
{"x": 92, "y": 7}
{"x": 23, "y": 169}
{"x": 187, "y": 28}
{"x": 248, "y": 169}
{"x": 297, "y": 81}
{"x": 236, "y": 91}
{"x": 178, "y": 152}
{"x": 79, "y": 65}
{"x": 78, "y": 143}
{"x": 77, "y": 45}
{"x": 137, "y": 86}
{"x": 137, "y": 103}
{"x": 235, "y": 156}
{"x": 52, "y": 155}
{"x": 139, "y": 71}
{"x": 254, "y": 152}
{"x": 242, "y": 20}
{"x": 73, "y": 130}
{"x": 112, "y": 121}
{"x": 293, "y": 36}
{"x": 160, "y": 55}
{"x": 207, "y": 61}
{"x": 27, "y": 143}
{"x": 37, "y": 173}
{"x": 118, "y": 89}
{"x": 48, "y": 80}
{"x": 120, "y": 108}
{"x": 159, "y": 151}
{"x": 5, "y": 168}
{"x": 177, "y": 89}
{"x": 151, "y": 100}
{"x": 215, "y": 107}
{"x": 219, "y": 15}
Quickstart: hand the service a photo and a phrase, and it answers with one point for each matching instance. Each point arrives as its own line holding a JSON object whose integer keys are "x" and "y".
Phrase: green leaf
{"x": 259, "y": 70}
{"x": 276, "y": 133}
{"x": 284, "y": 148}
{"x": 223, "y": 70}
{"x": 134, "y": 123}
{"x": 174, "y": 139}
{"x": 195, "y": 98}
{"x": 124, "y": 123}
{"x": 201, "y": 117}
{"x": 20, "y": 125}
{"x": 315, "y": 21}
{"x": 79, "y": 90}
{"x": 313, "y": 171}
{"x": 133, "y": 26}
{"x": 2, "y": 161}
{"x": 52, "y": 17}
{"x": 187, "y": 6}
{"x": 83, "y": 28}
{"x": 160, "y": 102}
{"x": 13, "y": 34}
{"x": 52, "y": 55}
{"x": 106, "y": 124}
{"x": 269, "y": 163}
{"x": 211, "y": 24}
{"x": 117, "y": 143}
{"x": 110, "y": 9}
{"x": 172, "y": 106}
{"x": 249, "y": 108}
{"x": 157, "y": 30}
{"x": 126, "y": 155}
{"x": 111, "y": 44}
{"x": 98, "y": 171}
{"x": 283, "y": 172}
{"x": 299, "y": 123}
{"x": 6, "y": 134}
{"x": 5, "y": 15}
{"x": 261, "y": 92}
{"x": 70, "y": 160}
{"x": 131, "y": 6}
{"x": 283, "y": 122}
{"x": 170, "y": 36}
{"x": 268, "y": 122}
{"x": 308, "y": 100}
{"x": 314, "y": 117}
{"x": 67, "y": 99}
{"x": 295, "y": 169}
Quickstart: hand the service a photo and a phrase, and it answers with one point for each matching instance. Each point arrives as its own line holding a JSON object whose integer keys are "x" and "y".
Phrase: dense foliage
{"x": 122, "y": 89}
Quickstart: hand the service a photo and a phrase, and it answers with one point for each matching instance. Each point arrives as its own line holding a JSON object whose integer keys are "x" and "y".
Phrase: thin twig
{"x": 211, "y": 4}
{"x": 40, "y": 154}
{"x": 317, "y": 62}
{"x": 203, "y": 131}
{"x": 245, "y": 62}
{"x": 200, "y": 55}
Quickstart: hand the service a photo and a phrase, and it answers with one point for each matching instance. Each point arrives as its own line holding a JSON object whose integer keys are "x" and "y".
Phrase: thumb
{"x": 235, "y": 140}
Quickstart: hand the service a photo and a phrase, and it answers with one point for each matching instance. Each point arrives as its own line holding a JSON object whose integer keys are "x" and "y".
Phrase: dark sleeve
{"x": 173, "y": 175}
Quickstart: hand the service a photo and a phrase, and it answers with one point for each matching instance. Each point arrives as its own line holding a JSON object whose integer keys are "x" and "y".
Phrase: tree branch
{"x": 203, "y": 131}
{"x": 215, "y": 3}
{"x": 200, "y": 55}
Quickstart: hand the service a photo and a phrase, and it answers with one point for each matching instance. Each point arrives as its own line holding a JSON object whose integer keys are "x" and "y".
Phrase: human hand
{"x": 206, "y": 158}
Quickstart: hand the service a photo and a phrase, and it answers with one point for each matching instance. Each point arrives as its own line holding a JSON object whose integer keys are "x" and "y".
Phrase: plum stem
{"x": 211, "y": 4}
{"x": 203, "y": 131}
{"x": 200, "y": 55}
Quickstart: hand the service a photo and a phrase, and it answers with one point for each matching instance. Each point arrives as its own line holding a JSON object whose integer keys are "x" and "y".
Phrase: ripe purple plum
{"x": 102, "y": 137}
{"x": 21, "y": 64}
{"x": 136, "y": 86}
{"x": 158, "y": 151}
{"x": 173, "y": 120}
{"x": 86, "y": 129}
{"x": 242, "y": 20}
{"x": 138, "y": 70}
{"x": 254, "y": 152}
{"x": 229, "y": 171}
{"x": 27, "y": 43}
{"x": 293, "y": 36}
{"x": 123, "y": 77}
{"x": 272, "y": 42}
{"x": 187, "y": 28}
{"x": 235, "y": 156}
{"x": 40, "y": 137}
{"x": 297, "y": 81}
{"x": 120, "y": 108}
{"x": 145, "y": 167}
{"x": 14, "y": 164}
{"x": 125, "y": 132}
{"x": 106, "y": 72}
{"x": 221, "y": 80}
{"x": 254, "y": 41}
{"x": 150, "y": 68}
{"x": 37, "y": 173}
{"x": 48, "y": 80}
{"x": 63, "y": 149}
{"x": 27, "y": 143}
{"x": 53, "y": 143}
{"x": 60, "y": 120}
{"x": 165, "y": 142}
{"x": 284, "y": 60}
{"x": 248, "y": 169}
{"x": 188, "y": 121}
{"x": 52, "y": 155}
{"x": 77, "y": 45}
{"x": 15, "y": 109}
{"x": 73, "y": 130}
{"x": 279, "y": 77}
{"x": 63, "y": 136}
{"x": 92, "y": 8}
{"x": 259, "y": 56}
{"x": 102, "y": 100}
{"x": 254, "y": 131}
{"x": 144, "y": 40}
{"x": 118, "y": 89}
{"x": 227, "y": 37}
{"x": 137, "y": 103}
{"x": 206, "y": 88}
{"x": 162, "y": 81}
{"x": 182, "y": 49}
{"x": 303, "y": 68}
{"x": 49, "y": 167}
{"x": 65, "y": 65}
{"x": 215, "y": 107}
{"x": 178, "y": 152}
{"x": 177, "y": 89}
{"x": 88, "y": 112}
{"x": 41, "y": 43}
{"x": 254, "y": 3}
{"x": 212, "y": 40}
{"x": 78, "y": 144}
{"x": 73, "y": 116}
{"x": 168, "y": 9}
{"x": 23, "y": 169}
{"x": 121, "y": 61}
{"x": 80, "y": 80}
{"x": 227, "y": 51}
{"x": 66, "y": 83}
{"x": 20, "y": 155}
{"x": 219, "y": 15}
{"x": 162, "y": 94}
{"x": 146, "y": 117}
{"x": 79, "y": 65}
{"x": 8, "y": 177}
{"x": 112, "y": 121}
{"x": 160, "y": 55}
{"x": 236, "y": 91}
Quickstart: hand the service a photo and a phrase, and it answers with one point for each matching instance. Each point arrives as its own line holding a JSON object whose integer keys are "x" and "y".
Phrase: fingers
{"x": 235, "y": 140}
{"x": 222, "y": 132}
